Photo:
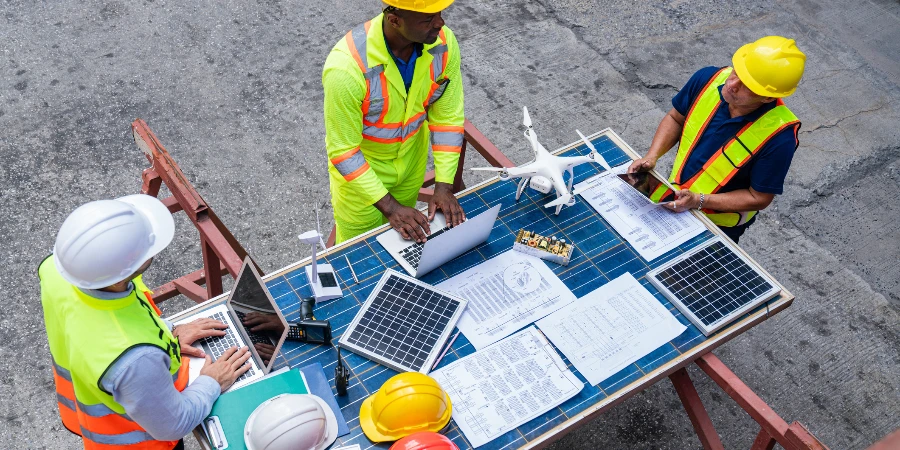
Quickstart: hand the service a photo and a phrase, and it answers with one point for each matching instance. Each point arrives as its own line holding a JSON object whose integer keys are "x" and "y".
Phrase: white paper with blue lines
{"x": 611, "y": 328}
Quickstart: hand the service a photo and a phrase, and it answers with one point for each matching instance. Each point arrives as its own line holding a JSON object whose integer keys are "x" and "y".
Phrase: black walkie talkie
{"x": 341, "y": 376}
{"x": 308, "y": 329}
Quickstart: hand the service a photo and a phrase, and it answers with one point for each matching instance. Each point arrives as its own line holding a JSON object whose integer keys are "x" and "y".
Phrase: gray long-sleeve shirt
{"x": 140, "y": 381}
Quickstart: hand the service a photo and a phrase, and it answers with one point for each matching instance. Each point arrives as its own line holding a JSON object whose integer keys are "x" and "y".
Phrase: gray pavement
{"x": 233, "y": 90}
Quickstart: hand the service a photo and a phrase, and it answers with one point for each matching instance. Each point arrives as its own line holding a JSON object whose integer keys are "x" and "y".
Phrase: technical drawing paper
{"x": 505, "y": 293}
{"x": 651, "y": 229}
{"x": 505, "y": 385}
{"x": 610, "y": 328}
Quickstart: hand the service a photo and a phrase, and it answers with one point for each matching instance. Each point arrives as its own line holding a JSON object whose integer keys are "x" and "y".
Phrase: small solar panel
{"x": 713, "y": 285}
{"x": 403, "y": 323}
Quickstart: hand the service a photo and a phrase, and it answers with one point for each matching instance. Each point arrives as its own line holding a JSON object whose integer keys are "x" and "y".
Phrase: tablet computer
{"x": 646, "y": 184}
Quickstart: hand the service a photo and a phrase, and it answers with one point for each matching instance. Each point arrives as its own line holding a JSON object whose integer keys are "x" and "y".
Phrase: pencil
{"x": 446, "y": 349}
{"x": 352, "y": 272}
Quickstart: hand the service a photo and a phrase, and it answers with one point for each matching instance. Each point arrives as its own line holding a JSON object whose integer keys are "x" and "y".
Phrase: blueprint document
{"x": 505, "y": 293}
{"x": 610, "y": 328}
{"x": 650, "y": 228}
{"x": 505, "y": 385}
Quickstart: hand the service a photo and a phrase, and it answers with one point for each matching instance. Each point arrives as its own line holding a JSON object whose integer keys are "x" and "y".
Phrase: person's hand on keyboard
{"x": 191, "y": 332}
{"x": 409, "y": 222}
{"x": 229, "y": 366}
{"x": 444, "y": 200}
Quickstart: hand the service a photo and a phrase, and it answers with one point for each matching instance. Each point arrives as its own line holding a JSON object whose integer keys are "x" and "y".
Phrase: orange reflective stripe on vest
{"x": 723, "y": 165}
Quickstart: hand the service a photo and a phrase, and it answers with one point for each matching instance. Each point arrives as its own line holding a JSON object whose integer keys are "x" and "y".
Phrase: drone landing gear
{"x": 522, "y": 183}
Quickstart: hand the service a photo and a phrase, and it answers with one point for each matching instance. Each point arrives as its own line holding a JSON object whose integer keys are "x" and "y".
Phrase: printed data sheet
{"x": 610, "y": 328}
{"x": 505, "y": 293}
{"x": 650, "y": 228}
{"x": 496, "y": 389}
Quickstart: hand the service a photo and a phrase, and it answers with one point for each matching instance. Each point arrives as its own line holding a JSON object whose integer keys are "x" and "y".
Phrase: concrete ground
{"x": 232, "y": 88}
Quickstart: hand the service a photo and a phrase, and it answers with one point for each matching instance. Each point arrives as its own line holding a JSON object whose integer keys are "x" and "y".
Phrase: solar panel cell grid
{"x": 402, "y": 322}
{"x": 713, "y": 283}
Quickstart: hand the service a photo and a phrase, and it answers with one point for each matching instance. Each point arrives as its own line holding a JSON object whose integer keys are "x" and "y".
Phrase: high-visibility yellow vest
{"x": 86, "y": 336}
{"x": 369, "y": 113}
{"x": 731, "y": 156}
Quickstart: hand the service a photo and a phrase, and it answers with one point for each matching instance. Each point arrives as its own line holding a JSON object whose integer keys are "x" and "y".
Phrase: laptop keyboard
{"x": 215, "y": 346}
{"x": 413, "y": 253}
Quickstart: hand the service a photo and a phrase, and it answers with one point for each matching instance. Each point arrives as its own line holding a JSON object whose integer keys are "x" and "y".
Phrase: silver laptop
{"x": 249, "y": 301}
{"x": 443, "y": 244}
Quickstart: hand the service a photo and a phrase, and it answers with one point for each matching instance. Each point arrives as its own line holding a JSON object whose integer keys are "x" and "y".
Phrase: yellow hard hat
{"x": 772, "y": 66}
{"x": 406, "y": 403}
{"x": 422, "y": 6}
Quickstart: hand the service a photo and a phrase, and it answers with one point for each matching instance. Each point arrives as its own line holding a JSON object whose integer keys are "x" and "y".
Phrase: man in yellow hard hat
{"x": 393, "y": 89}
{"x": 737, "y": 137}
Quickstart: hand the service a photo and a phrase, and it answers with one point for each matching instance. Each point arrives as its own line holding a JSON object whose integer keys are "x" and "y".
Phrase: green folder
{"x": 234, "y": 408}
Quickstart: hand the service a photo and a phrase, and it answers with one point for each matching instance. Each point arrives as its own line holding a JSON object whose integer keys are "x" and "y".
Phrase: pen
{"x": 352, "y": 272}
{"x": 446, "y": 349}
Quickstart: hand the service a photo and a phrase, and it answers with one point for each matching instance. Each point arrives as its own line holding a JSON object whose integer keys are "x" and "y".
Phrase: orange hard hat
{"x": 425, "y": 440}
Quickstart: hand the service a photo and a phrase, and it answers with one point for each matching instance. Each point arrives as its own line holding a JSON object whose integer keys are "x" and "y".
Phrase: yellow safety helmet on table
{"x": 771, "y": 67}
{"x": 406, "y": 403}
{"x": 422, "y": 6}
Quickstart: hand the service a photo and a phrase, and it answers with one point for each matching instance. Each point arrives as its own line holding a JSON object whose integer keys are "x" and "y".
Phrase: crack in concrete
{"x": 832, "y": 125}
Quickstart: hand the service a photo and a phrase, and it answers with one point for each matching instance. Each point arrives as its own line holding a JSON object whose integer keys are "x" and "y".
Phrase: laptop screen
{"x": 256, "y": 311}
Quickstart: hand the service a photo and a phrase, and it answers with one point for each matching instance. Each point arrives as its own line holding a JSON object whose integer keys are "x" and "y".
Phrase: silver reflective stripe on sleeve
{"x": 359, "y": 41}
{"x": 129, "y": 438}
{"x": 448, "y": 138}
{"x": 351, "y": 164}
{"x": 69, "y": 403}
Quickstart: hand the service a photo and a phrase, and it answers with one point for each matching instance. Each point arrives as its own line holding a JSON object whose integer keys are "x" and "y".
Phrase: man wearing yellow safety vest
{"x": 737, "y": 137}
{"x": 392, "y": 89}
{"x": 121, "y": 382}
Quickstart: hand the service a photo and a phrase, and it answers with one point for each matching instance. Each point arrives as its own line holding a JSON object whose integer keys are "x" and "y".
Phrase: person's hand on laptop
{"x": 444, "y": 200}
{"x": 409, "y": 222}
{"x": 191, "y": 332}
{"x": 229, "y": 366}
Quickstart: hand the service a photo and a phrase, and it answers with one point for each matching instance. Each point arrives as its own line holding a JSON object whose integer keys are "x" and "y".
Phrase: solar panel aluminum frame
{"x": 432, "y": 354}
{"x": 732, "y": 316}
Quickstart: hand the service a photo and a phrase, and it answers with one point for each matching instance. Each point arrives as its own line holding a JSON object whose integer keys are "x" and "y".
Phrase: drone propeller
{"x": 527, "y": 119}
{"x": 594, "y": 153}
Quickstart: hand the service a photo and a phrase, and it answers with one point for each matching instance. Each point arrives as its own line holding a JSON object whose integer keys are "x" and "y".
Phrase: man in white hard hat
{"x": 120, "y": 377}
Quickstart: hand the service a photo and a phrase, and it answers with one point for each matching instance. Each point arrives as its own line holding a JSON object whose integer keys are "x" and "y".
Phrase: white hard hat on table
{"x": 103, "y": 242}
{"x": 291, "y": 422}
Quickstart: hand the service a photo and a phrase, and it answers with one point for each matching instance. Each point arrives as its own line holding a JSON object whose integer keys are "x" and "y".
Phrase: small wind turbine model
{"x": 547, "y": 170}
{"x": 322, "y": 279}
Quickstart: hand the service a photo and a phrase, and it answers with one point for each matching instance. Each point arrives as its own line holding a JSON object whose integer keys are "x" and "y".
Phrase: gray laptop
{"x": 443, "y": 244}
{"x": 248, "y": 301}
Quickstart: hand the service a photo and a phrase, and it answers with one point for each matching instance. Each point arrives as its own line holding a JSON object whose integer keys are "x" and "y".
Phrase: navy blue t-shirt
{"x": 765, "y": 172}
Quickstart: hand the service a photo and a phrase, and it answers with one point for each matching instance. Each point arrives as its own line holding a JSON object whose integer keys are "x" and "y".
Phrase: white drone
{"x": 546, "y": 170}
